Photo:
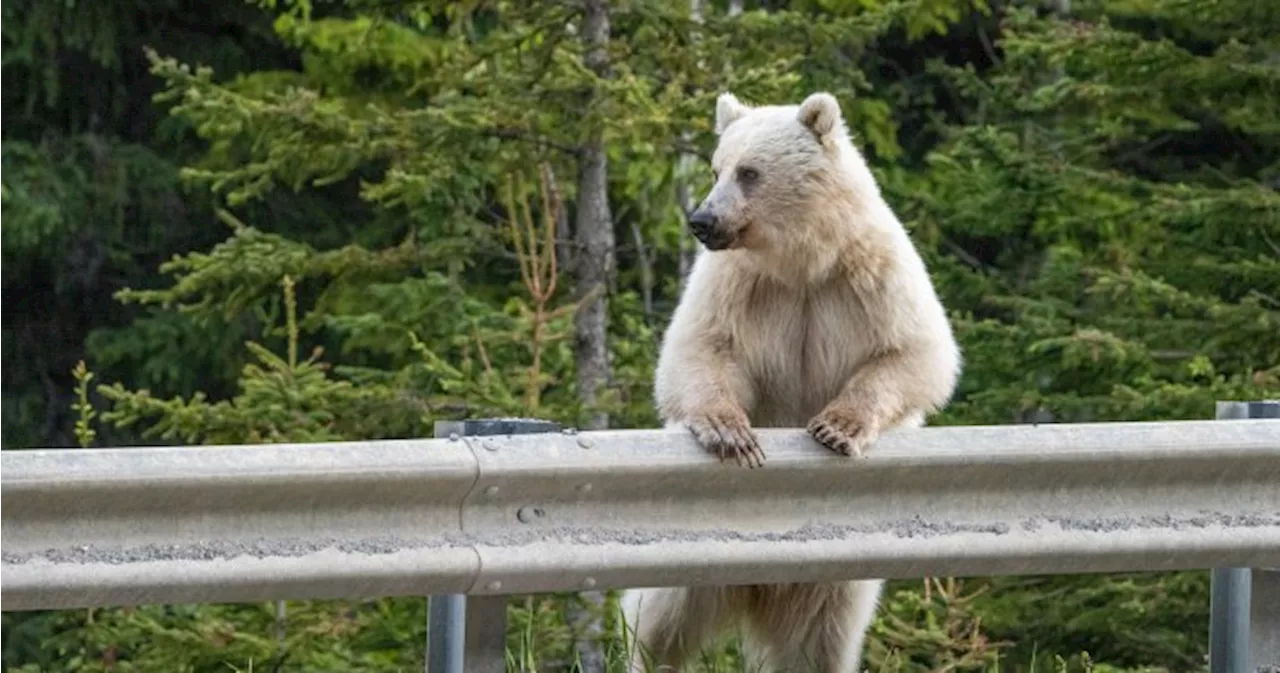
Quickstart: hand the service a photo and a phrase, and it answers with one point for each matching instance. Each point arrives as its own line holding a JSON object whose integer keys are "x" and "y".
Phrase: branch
{"x": 524, "y": 136}
{"x": 965, "y": 256}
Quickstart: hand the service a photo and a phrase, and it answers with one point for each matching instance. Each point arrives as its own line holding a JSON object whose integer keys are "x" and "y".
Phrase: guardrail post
{"x": 477, "y": 627}
{"x": 1264, "y": 620}
{"x": 1244, "y": 615}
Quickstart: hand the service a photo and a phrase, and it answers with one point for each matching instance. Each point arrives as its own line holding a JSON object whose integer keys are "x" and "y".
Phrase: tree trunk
{"x": 594, "y": 236}
{"x": 646, "y": 267}
{"x": 684, "y": 195}
{"x": 593, "y": 268}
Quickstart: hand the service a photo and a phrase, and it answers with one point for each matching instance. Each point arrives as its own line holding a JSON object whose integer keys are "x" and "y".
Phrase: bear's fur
{"x": 808, "y": 306}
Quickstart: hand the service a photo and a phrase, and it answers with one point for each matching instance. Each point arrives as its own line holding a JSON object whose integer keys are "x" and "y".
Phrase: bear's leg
{"x": 817, "y": 628}
{"x": 667, "y": 626}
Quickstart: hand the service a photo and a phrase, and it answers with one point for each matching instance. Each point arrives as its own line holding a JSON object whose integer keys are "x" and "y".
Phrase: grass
{"x": 1121, "y": 623}
{"x": 930, "y": 626}
{"x": 941, "y": 626}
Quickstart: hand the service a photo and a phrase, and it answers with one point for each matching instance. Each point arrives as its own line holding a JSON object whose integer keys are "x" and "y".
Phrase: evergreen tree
{"x": 1104, "y": 221}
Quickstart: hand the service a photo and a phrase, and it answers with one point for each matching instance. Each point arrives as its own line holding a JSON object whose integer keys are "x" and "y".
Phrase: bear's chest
{"x": 800, "y": 348}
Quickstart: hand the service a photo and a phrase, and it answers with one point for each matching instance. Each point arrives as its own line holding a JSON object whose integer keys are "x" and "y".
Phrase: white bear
{"x": 808, "y": 306}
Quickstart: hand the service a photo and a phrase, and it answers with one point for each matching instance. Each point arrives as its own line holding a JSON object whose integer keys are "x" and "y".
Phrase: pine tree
{"x": 1103, "y": 220}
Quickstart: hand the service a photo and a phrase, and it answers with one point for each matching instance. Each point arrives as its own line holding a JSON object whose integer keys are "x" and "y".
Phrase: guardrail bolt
{"x": 483, "y": 641}
{"x": 528, "y": 513}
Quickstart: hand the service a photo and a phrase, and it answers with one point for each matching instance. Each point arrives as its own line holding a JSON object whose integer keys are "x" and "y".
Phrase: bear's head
{"x": 785, "y": 175}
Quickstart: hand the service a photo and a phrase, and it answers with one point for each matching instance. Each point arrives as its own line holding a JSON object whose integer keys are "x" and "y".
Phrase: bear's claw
{"x": 725, "y": 436}
{"x": 842, "y": 432}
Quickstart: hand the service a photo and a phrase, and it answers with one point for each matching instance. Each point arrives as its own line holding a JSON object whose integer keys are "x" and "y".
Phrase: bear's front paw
{"x": 843, "y": 431}
{"x": 728, "y": 433}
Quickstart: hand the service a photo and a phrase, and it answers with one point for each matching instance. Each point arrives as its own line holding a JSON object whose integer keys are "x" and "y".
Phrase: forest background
{"x": 311, "y": 221}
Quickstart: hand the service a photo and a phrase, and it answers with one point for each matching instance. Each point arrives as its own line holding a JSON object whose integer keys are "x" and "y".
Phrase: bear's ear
{"x": 728, "y": 111}
{"x": 820, "y": 113}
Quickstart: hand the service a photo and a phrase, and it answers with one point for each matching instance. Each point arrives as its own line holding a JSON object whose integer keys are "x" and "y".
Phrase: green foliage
{"x": 84, "y": 424}
{"x": 90, "y": 195}
{"x": 1124, "y": 620}
{"x": 281, "y": 400}
{"x": 1114, "y": 292}
{"x": 313, "y": 636}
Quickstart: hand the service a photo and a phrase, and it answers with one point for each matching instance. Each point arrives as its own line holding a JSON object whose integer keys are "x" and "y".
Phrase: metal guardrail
{"x": 1244, "y": 620}
{"x": 513, "y": 514}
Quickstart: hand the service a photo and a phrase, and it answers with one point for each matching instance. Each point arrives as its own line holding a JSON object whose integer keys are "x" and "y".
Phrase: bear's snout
{"x": 706, "y": 228}
{"x": 703, "y": 222}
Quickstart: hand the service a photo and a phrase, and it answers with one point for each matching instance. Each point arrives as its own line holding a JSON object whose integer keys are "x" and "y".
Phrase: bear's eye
{"x": 748, "y": 174}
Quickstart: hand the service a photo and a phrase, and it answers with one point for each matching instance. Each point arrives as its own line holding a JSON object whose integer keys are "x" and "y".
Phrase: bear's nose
{"x": 702, "y": 222}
